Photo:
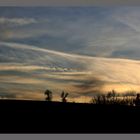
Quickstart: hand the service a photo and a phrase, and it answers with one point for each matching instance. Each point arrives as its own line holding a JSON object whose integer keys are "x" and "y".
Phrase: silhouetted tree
{"x": 137, "y": 100}
{"x": 64, "y": 96}
{"x": 48, "y": 93}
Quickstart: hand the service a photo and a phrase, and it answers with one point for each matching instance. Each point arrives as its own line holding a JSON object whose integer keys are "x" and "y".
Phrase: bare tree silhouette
{"x": 64, "y": 96}
{"x": 48, "y": 93}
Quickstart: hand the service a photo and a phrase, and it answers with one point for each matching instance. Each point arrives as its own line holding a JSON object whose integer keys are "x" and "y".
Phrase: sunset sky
{"x": 82, "y": 50}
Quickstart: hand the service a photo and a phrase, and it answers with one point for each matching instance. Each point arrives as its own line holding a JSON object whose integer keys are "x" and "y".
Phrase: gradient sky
{"x": 82, "y": 50}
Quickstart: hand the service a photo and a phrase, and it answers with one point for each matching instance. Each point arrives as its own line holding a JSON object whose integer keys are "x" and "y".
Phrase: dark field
{"x": 56, "y": 117}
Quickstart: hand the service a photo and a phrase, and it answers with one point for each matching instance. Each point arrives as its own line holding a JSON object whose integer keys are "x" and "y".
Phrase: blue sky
{"x": 82, "y": 50}
{"x": 94, "y": 31}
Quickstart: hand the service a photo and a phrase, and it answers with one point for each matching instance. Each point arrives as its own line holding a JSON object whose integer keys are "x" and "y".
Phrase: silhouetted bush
{"x": 48, "y": 93}
{"x": 64, "y": 96}
{"x": 112, "y": 98}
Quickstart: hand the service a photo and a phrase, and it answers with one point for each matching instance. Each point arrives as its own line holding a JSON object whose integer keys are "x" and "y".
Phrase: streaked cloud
{"x": 94, "y": 31}
{"x": 86, "y": 76}
{"x": 16, "y": 21}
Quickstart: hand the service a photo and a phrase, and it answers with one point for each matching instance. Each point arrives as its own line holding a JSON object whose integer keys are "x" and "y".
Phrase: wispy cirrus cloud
{"x": 16, "y": 21}
{"x": 95, "y": 31}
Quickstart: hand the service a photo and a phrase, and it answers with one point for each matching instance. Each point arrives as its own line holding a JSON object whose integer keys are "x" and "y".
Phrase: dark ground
{"x": 55, "y": 117}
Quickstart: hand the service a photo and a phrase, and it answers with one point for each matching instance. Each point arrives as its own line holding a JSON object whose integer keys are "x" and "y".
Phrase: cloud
{"x": 86, "y": 63}
{"x": 129, "y": 16}
{"x": 89, "y": 87}
{"x": 101, "y": 32}
{"x": 7, "y": 95}
{"x": 31, "y": 69}
{"x": 16, "y": 21}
